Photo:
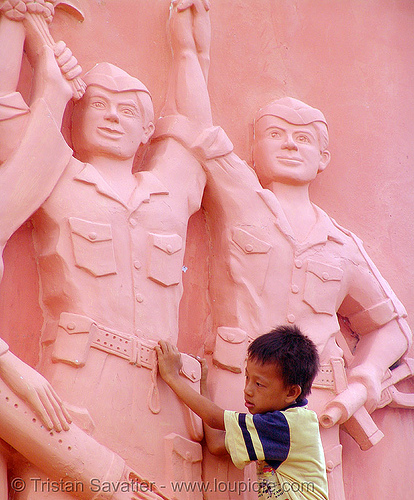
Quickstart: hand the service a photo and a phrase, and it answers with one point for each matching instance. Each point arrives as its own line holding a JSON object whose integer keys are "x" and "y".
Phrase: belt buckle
{"x": 143, "y": 353}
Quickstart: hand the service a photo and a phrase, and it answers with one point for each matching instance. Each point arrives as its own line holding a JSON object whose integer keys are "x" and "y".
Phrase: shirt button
{"x": 137, "y": 264}
{"x": 169, "y": 249}
{"x": 71, "y": 326}
{"x": 291, "y": 318}
{"x": 139, "y": 298}
{"x": 295, "y": 289}
{"x": 133, "y": 222}
{"x": 325, "y": 276}
{"x": 93, "y": 236}
{"x": 248, "y": 248}
{"x": 298, "y": 263}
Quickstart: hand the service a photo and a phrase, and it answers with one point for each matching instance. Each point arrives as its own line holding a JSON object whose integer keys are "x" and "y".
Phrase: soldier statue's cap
{"x": 293, "y": 111}
{"x": 114, "y": 79}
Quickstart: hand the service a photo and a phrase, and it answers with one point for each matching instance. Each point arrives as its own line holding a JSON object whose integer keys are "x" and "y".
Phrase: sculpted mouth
{"x": 289, "y": 159}
{"x": 110, "y": 132}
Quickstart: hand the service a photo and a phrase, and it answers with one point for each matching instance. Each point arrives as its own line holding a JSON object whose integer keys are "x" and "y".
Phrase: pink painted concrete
{"x": 353, "y": 61}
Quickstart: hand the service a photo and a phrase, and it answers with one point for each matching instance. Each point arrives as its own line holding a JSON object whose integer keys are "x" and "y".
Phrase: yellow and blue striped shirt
{"x": 287, "y": 447}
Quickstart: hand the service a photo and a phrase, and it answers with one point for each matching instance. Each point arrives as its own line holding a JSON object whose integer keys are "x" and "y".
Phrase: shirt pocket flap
{"x": 168, "y": 243}
{"x": 75, "y": 323}
{"x": 91, "y": 231}
{"x": 324, "y": 272}
{"x": 232, "y": 335}
{"x": 191, "y": 368}
{"x": 249, "y": 243}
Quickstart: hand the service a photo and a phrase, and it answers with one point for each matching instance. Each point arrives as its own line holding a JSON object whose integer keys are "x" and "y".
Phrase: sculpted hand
{"x": 186, "y": 4}
{"x": 68, "y": 64}
{"x": 49, "y": 83}
{"x": 169, "y": 360}
{"x": 190, "y": 25}
{"x": 35, "y": 390}
{"x": 369, "y": 378}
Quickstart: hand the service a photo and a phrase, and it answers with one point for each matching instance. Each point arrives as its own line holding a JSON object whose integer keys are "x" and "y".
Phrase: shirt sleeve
{"x": 204, "y": 144}
{"x": 3, "y": 347}
{"x": 257, "y": 437}
{"x": 12, "y": 105}
{"x": 370, "y": 303}
{"x": 29, "y": 175}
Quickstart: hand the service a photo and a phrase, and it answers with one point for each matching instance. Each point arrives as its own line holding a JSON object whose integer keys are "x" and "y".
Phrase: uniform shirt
{"x": 34, "y": 155}
{"x": 288, "y": 450}
{"x": 262, "y": 275}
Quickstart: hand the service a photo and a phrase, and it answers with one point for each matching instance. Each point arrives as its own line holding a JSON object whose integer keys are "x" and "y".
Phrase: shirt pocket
{"x": 93, "y": 247}
{"x": 165, "y": 258}
{"x": 322, "y": 286}
{"x": 250, "y": 260}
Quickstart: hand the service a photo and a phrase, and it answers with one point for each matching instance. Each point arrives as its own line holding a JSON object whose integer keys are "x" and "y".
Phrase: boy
{"x": 280, "y": 433}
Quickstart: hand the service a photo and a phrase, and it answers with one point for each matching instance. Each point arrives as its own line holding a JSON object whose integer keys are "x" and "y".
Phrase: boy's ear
{"x": 294, "y": 392}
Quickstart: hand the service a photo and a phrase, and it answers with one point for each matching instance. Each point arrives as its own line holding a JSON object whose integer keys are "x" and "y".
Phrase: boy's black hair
{"x": 292, "y": 353}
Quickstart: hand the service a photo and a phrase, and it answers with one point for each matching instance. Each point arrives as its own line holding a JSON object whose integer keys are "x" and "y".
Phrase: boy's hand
{"x": 169, "y": 360}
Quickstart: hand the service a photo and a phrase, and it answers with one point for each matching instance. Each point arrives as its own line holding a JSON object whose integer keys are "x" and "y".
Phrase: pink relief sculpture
{"x": 110, "y": 247}
{"x": 30, "y": 143}
{"x": 277, "y": 258}
{"x": 108, "y": 293}
{"x": 34, "y": 155}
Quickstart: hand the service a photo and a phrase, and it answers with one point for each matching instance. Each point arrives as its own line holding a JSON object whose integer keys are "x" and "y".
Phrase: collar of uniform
{"x": 147, "y": 184}
{"x": 322, "y": 231}
{"x": 89, "y": 175}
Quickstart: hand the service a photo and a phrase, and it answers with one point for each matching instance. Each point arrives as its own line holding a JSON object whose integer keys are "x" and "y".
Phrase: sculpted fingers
{"x": 50, "y": 409}
{"x": 60, "y": 409}
{"x": 199, "y": 5}
{"x": 67, "y": 62}
{"x": 36, "y": 401}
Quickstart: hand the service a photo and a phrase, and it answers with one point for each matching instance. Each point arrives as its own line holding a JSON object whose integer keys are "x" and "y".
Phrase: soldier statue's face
{"x": 110, "y": 124}
{"x": 287, "y": 153}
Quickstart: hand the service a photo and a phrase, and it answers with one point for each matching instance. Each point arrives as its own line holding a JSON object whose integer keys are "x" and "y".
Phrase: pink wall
{"x": 353, "y": 59}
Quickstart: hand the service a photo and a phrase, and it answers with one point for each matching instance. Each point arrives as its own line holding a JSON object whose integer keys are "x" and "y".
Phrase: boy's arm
{"x": 169, "y": 364}
{"x": 215, "y": 438}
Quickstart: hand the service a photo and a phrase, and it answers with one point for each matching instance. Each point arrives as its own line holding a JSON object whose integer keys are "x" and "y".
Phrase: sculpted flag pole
{"x": 37, "y": 14}
{"x": 39, "y": 25}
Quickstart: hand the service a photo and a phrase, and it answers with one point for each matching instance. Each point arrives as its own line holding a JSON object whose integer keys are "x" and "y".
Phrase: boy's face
{"x": 265, "y": 390}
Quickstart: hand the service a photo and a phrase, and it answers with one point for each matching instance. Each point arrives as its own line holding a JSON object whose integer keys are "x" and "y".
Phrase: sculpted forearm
{"x": 12, "y": 37}
{"x": 190, "y": 41}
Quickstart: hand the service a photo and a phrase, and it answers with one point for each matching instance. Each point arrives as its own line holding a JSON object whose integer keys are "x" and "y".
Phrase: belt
{"x": 137, "y": 351}
{"x": 77, "y": 334}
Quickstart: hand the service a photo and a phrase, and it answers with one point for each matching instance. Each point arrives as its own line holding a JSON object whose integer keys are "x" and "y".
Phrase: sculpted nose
{"x": 289, "y": 143}
{"x": 111, "y": 114}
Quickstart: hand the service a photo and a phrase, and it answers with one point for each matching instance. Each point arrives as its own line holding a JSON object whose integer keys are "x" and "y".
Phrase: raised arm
{"x": 12, "y": 37}
{"x": 190, "y": 34}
